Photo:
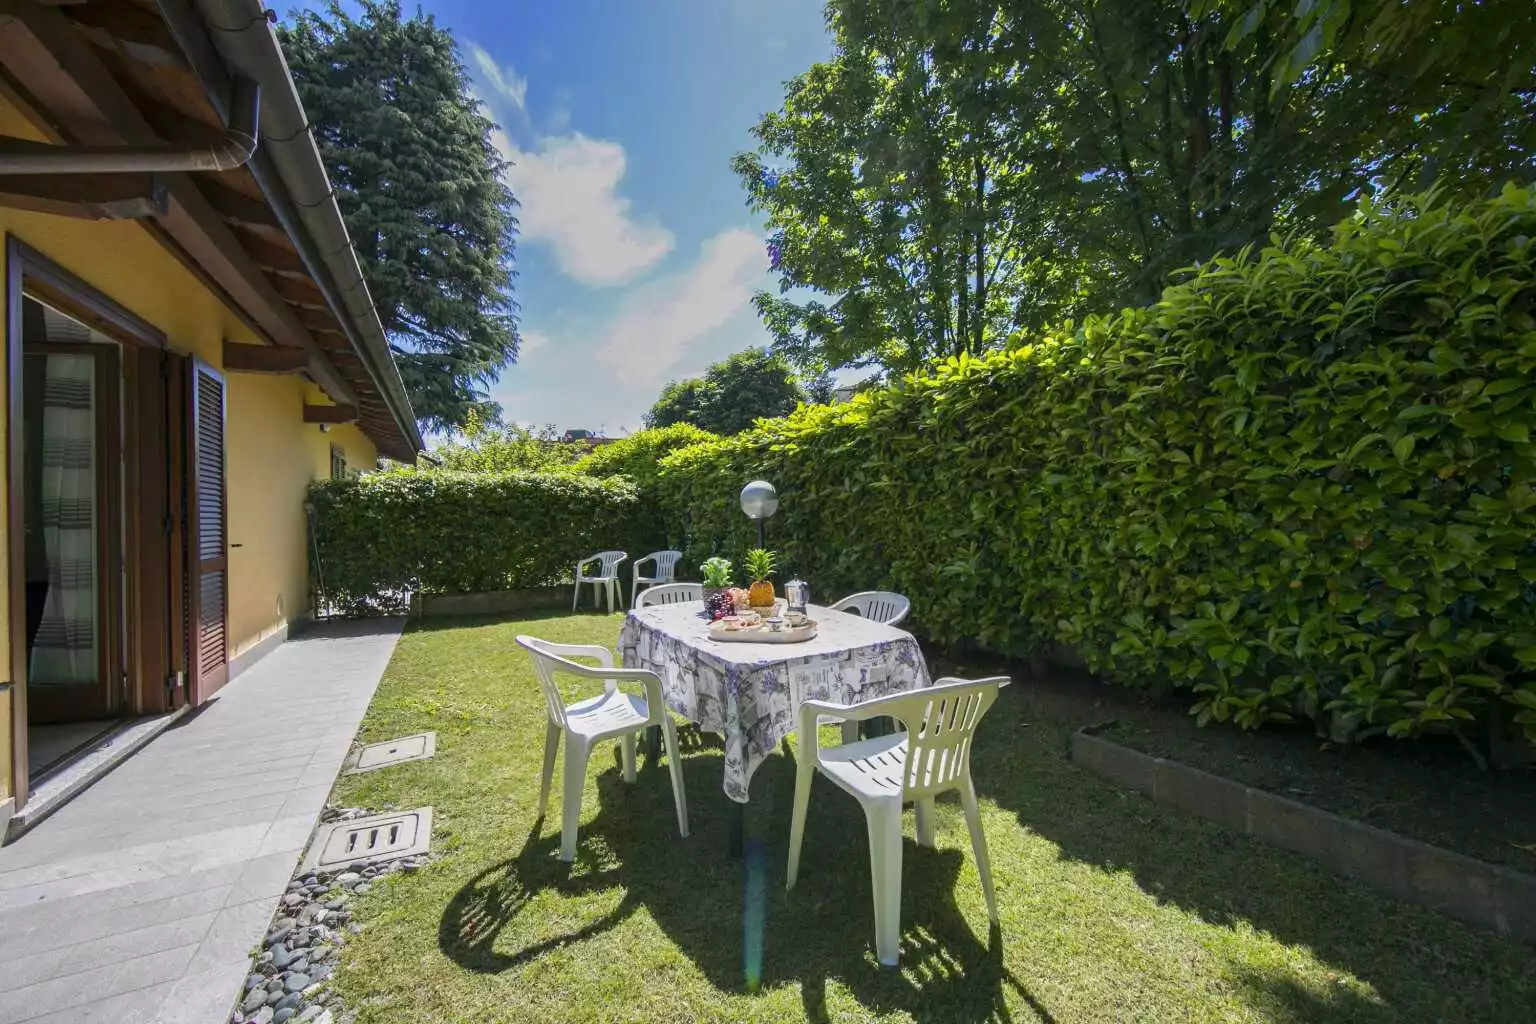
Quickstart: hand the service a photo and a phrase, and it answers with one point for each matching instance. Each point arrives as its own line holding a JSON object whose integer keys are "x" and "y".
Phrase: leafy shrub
{"x": 504, "y": 448}
{"x": 1303, "y": 483}
{"x": 638, "y": 456}
{"x": 443, "y": 531}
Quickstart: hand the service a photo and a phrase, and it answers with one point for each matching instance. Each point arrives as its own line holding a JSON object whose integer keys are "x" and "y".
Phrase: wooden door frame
{"x": 28, "y": 271}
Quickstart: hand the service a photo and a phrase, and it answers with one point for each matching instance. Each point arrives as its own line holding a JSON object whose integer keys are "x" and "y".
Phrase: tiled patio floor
{"x": 140, "y": 900}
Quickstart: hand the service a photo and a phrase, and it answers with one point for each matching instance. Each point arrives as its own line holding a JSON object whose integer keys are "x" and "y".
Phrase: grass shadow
{"x": 732, "y": 918}
{"x": 1224, "y": 878}
{"x": 449, "y": 623}
{"x": 1114, "y": 908}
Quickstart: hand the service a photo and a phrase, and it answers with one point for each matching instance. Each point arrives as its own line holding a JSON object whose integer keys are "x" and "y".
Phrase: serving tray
{"x": 762, "y": 634}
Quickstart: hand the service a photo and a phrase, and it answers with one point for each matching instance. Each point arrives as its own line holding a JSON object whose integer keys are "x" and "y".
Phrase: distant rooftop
{"x": 587, "y": 437}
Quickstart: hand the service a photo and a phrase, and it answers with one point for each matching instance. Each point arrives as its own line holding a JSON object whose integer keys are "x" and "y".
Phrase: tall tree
{"x": 731, "y": 395}
{"x": 420, "y": 186}
{"x": 483, "y": 447}
{"x": 961, "y": 171}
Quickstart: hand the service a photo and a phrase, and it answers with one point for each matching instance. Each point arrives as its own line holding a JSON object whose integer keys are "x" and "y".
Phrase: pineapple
{"x": 760, "y": 566}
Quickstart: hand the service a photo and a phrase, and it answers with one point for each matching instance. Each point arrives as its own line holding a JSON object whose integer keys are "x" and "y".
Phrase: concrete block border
{"x": 1487, "y": 895}
{"x": 492, "y": 602}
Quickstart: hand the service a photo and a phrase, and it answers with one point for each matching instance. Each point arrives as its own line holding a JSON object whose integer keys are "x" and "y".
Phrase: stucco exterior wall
{"x": 272, "y": 455}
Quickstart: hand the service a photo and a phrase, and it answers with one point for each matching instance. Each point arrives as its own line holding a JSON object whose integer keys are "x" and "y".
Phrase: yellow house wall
{"x": 272, "y": 455}
{"x": 5, "y": 746}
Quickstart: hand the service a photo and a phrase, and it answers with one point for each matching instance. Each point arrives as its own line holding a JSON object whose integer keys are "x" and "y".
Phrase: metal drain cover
{"x": 381, "y": 837}
{"x": 407, "y": 748}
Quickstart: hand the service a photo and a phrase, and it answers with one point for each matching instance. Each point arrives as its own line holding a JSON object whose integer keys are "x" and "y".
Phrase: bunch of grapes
{"x": 719, "y": 605}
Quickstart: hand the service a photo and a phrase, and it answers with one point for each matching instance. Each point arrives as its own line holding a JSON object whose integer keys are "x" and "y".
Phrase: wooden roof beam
{"x": 330, "y": 414}
{"x": 65, "y": 73}
{"x": 240, "y": 358}
{"x": 91, "y": 196}
{"x": 270, "y": 255}
{"x": 301, "y": 291}
{"x": 132, "y": 29}
{"x": 239, "y": 209}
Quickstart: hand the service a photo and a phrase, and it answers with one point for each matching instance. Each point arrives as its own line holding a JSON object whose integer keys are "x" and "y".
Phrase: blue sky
{"x": 637, "y": 256}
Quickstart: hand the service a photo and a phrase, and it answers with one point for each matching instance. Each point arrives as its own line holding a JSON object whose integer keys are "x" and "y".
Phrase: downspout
{"x": 290, "y": 155}
{"x": 231, "y": 150}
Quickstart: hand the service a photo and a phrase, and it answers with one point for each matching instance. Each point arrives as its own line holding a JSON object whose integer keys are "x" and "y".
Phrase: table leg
{"x": 736, "y": 828}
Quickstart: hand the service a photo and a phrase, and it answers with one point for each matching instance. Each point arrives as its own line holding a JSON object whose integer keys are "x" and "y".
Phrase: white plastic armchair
{"x": 586, "y": 723}
{"x": 883, "y": 606}
{"x": 665, "y": 571}
{"x": 932, "y": 756}
{"x": 876, "y": 605}
{"x": 605, "y": 579}
{"x": 671, "y": 593}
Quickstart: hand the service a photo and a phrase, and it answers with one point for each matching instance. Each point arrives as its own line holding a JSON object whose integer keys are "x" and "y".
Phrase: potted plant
{"x": 760, "y": 565}
{"x": 719, "y": 574}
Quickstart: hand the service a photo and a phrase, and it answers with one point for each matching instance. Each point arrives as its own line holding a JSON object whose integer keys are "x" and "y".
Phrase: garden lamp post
{"x": 759, "y": 501}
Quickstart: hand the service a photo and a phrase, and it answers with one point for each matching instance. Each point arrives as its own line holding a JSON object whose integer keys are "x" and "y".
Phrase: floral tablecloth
{"x": 749, "y": 692}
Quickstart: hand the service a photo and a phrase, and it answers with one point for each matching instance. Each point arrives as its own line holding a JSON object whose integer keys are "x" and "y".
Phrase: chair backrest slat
{"x": 610, "y": 561}
{"x": 670, "y": 593}
{"x": 941, "y": 723}
{"x": 666, "y": 563}
{"x": 876, "y": 605}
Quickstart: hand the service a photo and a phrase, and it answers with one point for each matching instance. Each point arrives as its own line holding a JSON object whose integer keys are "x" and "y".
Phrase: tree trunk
{"x": 981, "y": 255}
{"x": 940, "y": 301}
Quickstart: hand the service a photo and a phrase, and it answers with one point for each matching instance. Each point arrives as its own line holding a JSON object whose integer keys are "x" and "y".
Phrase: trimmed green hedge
{"x": 1301, "y": 484}
{"x": 638, "y": 456}
{"x": 441, "y": 531}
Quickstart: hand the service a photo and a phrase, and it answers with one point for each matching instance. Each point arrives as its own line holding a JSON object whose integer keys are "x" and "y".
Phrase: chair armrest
{"x": 810, "y": 736}
{"x": 881, "y": 706}
{"x": 585, "y": 562}
{"x": 603, "y": 655}
{"x": 844, "y": 712}
{"x": 655, "y": 699}
{"x": 637, "y": 563}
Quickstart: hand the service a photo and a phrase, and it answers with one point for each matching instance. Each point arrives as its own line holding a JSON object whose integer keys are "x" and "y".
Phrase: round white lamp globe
{"x": 759, "y": 500}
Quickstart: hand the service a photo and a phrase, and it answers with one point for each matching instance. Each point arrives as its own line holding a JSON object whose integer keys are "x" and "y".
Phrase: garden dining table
{"x": 750, "y": 692}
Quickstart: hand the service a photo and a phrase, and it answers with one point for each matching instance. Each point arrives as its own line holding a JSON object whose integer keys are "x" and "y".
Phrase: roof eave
{"x": 289, "y": 171}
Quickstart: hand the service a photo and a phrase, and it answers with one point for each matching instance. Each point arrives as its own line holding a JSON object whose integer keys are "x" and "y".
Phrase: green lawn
{"x": 1114, "y": 909}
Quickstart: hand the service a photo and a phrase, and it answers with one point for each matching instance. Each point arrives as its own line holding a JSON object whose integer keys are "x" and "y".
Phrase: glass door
{"x": 69, "y": 392}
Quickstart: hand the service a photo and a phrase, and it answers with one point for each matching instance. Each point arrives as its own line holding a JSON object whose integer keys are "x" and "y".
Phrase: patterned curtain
{"x": 64, "y": 651}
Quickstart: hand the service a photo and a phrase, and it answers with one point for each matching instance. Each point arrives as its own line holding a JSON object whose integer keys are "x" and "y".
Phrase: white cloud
{"x": 658, "y": 323}
{"x": 529, "y": 342}
{"x": 506, "y": 82}
{"x": 567, "y": 188}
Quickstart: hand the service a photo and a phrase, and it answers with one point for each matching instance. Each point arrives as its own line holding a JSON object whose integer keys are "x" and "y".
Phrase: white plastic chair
{"x": 586, "y": 723}
{"x": 665, "y": 572}
{"x": 670, "y": 593}
{"x": 606, "y": 578}
{"x": 932, "y": 756}
{"x": 883, "y": 606}
{"x": 876, "y": 605}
